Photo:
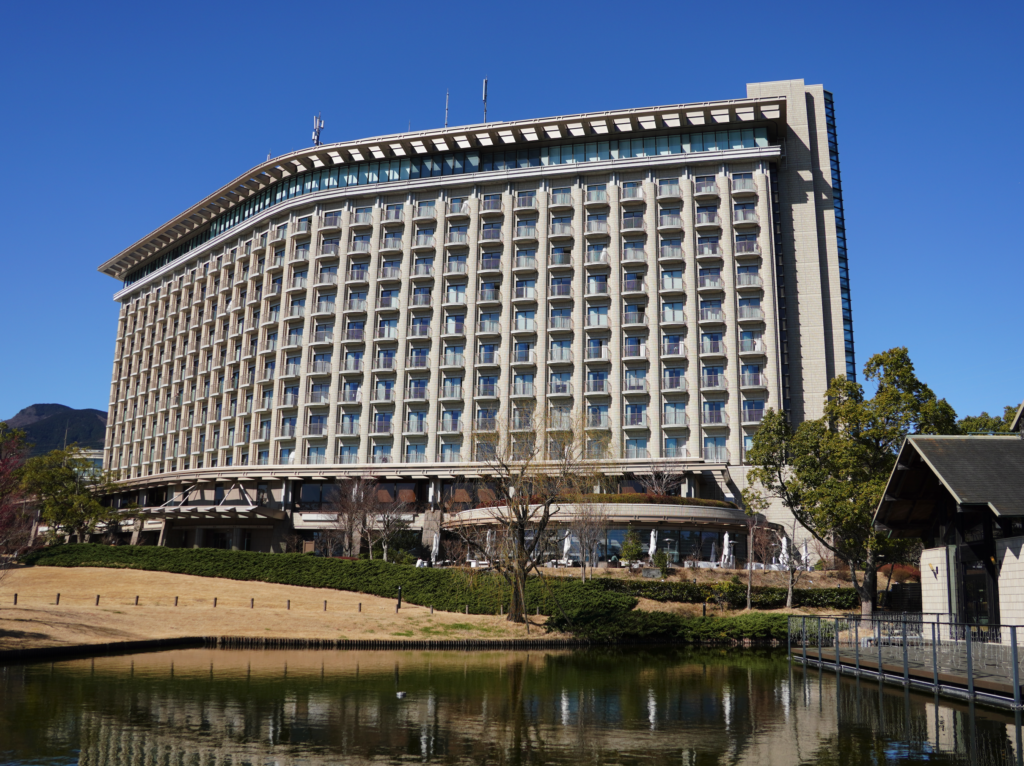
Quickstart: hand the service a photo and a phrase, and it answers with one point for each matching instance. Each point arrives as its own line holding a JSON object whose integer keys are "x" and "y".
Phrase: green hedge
{"x": 450, "y": 590}
{"x": 734, "y": 594}
{"x": 663, "y": 627}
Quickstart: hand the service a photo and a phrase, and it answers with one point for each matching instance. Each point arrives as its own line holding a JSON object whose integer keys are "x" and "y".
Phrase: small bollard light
{"x": 360, "y": 606}
{"x": 252, "y": 603}
{"x": 467, "y": 608}
{"x": 136, "y": 601}
{"x": 431, "y": 610}
{"x": 58, "y": 599}
{"x": 214, "y": 602}
{"x": 289, "y": 605}
{"x": 15, "y": 599}
{"x": 325, "y": 606}
{"x": 175, "y": 600}
{"x": 399, "y": 598}
{"x": 97, "y": 599}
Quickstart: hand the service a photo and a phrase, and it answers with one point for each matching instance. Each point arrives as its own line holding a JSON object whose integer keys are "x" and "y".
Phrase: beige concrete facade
{"x": 371, "y": 328}
{"x": 935, "y": 581}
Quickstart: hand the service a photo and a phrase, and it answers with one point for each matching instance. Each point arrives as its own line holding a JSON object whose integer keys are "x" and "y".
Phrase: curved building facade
{"x": 364, "y": 308}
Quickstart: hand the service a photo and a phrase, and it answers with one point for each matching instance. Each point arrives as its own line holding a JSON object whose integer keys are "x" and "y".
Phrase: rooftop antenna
{"x": 268, "y": 155}
{"x": 485, "y": 101}
{"x": 318, "y": 125}
{"x": 446, "y": 107}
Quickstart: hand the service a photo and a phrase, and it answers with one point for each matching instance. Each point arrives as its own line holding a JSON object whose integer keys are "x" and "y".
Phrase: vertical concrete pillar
{"x": 236, "y": 539}
{"x": 197, "y": 541}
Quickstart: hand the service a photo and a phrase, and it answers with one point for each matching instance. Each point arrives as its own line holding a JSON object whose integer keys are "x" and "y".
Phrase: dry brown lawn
{"x": 38, "y": 621}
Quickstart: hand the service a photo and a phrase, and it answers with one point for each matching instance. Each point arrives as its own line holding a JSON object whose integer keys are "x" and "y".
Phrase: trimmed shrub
{"x": 671, "y": 628}
{"x": 734, "y": 594}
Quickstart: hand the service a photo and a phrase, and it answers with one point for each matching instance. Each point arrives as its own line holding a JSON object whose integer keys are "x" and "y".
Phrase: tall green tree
{"x": 16, "y": 515}
{"x": 985, "y": 423}
{"x": 831, "y": 472}
{"x": 69, "y": 492}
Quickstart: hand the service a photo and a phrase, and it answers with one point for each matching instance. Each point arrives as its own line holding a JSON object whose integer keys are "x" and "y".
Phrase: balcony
{"x": 362, "y": 218}
{"x": 491, "y": 206}
{"x": 747, "y": 248}
{"x": 710, "y": 283}
{"x": 380, "y": 427}
{"x": 525, "y": 294}
{"x": 316, "y": 429}
{"x": 634, "y": 420}
{"x": 525, "y": 325}
{"x": 297, "y": 283}
{"x": 349, "y": 395}
{"x": 596, "y": 288}
{"x": 320, "y": 367}
{"x": 453, "y": 360}
{"x": 596, "y": 197}
{"x": 598, "y": 421}
{"x": 451, "y": 457}
{"x": 668, "y": 191}
{"x": 381, "y": 458}
{"x": 597, "y": 228}
{"x": 329, "y": 250}
{"x": 487, "y": 391}
{"x": 488, "y": 327}
{"x": 716, "y": 455}
{"x": 633, "y": 285}
{"x": 423, "y": 242}
{"x": 286, "y": 431}
{"x": 456, "y": 267}
{"x": 559, "y": 388}
{"x": 383, "y": 395}
{"x": 714, "y": 418}
{"x": 748, "y": 281}
{"x": 752, "y": 416}
{"x": 675, "y": 419}
{"x": 327, "y": 278}
{"x": 418, "y": 361}
{"x": 423, "y": 270}
{"x": 352, "y": 365}
{"x": 391, "y": 245}
{"x": 416, "y": 393}
{"x": 713, "y": 383}
{"x": 488, "y": 358}
{"x": 598, "y": 322}
{"x": 388, "y": 273}
{"x": 706, "y": 220}
{"x": 457, "y": 238}
{"x": 669, "y": 253}
{"x": 752, "y": 346}
{"x": 560, "y": 231}
{"x": 489, "y": 295}
{"x": 388, "y": 363}
{"x": 711, "y": 316}
{"x": 669, "y": 223}
{"x": 597, "y": 353}
{"x": 559, "y": 290}
{"x": 705, "y": 189}
{"x": 386, "y": 333}
{"x": 394, "y": 215}
{"x": 522, "y": 421}
{"x": 422, "y": 300}
{"x": 490, "y": 235}
{"x": 598, "y": 258}
{"x": 708, "y": 251}
{"x": 323, "y": 336}
{"x": 291, "y": 370}
{"x": 524, "y": 233}
{"x": 632, "y": 224}
{"x": 560, "y": 200}
{"x": 750, "y": 314}
{"x": 451, "y": 392}
{"x": 631, "y": 385}
{"x": 347, "y": 458}
{"x": 744, "y": 218}
{"x": 634, "y": 319}
{"x": 300, "y": 254}
{"x": 743, "y": 186}
{"x": 631, "y": 194}
{"x": 526, "y": 202}
{"x": 560, "y": 260}
{"x": 675, "y": 384}
{"x": 355, "y": 334}
{"x": 523, "y": 356}
{"x": 359, "y": 246}
{"x": 278, "y": 234}
{"x": 485, "y": 424}
{"x": 525, "y": 263}
{"x": 324, "y": 307}
{"x": 425, "y": 212}
{"x": 523, "y": 390}
{"x": 560, "y": 355}
{"x": 457, "y": 328}
{"x": 455, "y": 298}
{"x": 637, "y": 453}
{"x": 450, "y": 425}
{"x": 330, "y": 221}
{"x": 458, "y": 208}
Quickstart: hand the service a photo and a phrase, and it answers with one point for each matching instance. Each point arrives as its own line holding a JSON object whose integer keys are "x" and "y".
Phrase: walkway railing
{"x": 917, "y": 650}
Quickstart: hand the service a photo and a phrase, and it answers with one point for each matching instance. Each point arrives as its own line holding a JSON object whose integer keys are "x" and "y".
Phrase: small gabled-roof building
{"x": 963, "y": 496}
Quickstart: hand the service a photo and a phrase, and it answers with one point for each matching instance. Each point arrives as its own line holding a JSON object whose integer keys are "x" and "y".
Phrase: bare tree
{"x": 589, "y": 525}
{"x": 384, "y": 521}
{"x": 348, "y": 504}
{"x": 760, "y": 544}
{"x": 533, "y": 463}
{"x": 660, "y": 479}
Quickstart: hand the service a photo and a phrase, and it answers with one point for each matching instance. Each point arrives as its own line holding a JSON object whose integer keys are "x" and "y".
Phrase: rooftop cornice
{"x": 492, "y": 135}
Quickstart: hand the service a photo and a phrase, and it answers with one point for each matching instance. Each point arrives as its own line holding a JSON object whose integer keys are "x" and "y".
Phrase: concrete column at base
{"x": 136, "y": 531}
{"x": 236, "y": 539}
{"x": 165, "y": 531}
{"x": 198, "y": 541}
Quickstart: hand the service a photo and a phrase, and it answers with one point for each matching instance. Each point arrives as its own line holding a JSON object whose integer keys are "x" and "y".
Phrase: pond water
{"x": 233, "y": 708}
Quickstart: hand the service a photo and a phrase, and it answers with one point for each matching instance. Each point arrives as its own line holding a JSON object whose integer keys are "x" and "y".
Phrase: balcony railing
{"x": 450, "y": 425}
{"x": 712, "y": 315}
{"x": 488, "y": 326}
{"x": 386, "y": 333}
{"x": 673, "y": 349}
{"x": 598, "y": 420}
{"x": 716, "y": 455}
{"x": 753, "y": 380}
{"x": 456, "y": 267}
{"x": 457, "y": 238}
{"x": 384, "y": 363}
{"x": 744, "y": 216}
{"x": 391, "y": 243}
{"x": 523, "y": 356}
{"x": 316, "y": 429}
{"x": 359, "y": 246}
{"x": 635, "y": 419}
{"x": 637, "y": 453}
{"x": 597, "y": 195}
{"x": 327, "y": 278}
{"x": 597, "y": 227}
{"x": 491, "y": 235}
{"x": 487, "y": 390}
{"x": 713, "y": 382}
{"x": 459, "y": 328}
{"x": 751, "y": 312}
{"x": 714, "y": 417}
{"x": 383, "y": 394}
{"x": 631, "y": 194}
{"x": 668, "y": 190}
{"x": 674, "y": 418}
{"x": 526, "y": 232}
{"x": 381, "y": 458}
{"x": 362, "y": 217}
{"x": 710, "y": 283}
{"x": 561, "y": 199}
{"x": 597, "y": 257}
{"x": 561, "y": 230}
{"x": 491, "y": 205}
{"x": 706, "y": 187}
{"x": 560, "y": 355}
{"x": 458, "y": 208}
{"x": 380, "y": 427}
{"x": 633, "y": 285}
{"x": 423, "y": 270}
{"x": 559, "y": 388}
{"x": 325, "y": 307}
{"x": 748, "y": 280}
{"x": 453, "y": 360}
{"x": 394, "y": 215}
{"x": 634, "y": 385}
{"x": 347, "y": 458}
{"x": 422, "y": 299}
{"x": 597, "y": 288}
{"x": 291, "y": 369}
{"x": 523, "y": 389}
{"x": 632, "y": 223}
{"x": 320, "y": 366}
{"x": 330, "y": 221}
{"x": 597, "y": 320}
{"x": 488, "y": 357}
{"x": 421, "y": 330}
{"x": 349, "y": 395}
{"x": 451, "y": 392}
{"x": 747, "y": 247}
{"x": 424, "y": 240}
{"x": 485, "y": 424}
{"x": 416, "y": 392}
{"x": 418, "y": 361}
{"x": 525, "y": 325}
{"x": 526, "y": 293}
{"x": 708, "y": 219}
{"x": 355, "y": 333}
{"x": 389, "y": 272}
{"x": 674, "y": 383}
{"x": 634, "y": 318}
{"x": 560, "y": 259}
{"x": 358, "y": 275}
{"x": 426, "y": 211}
{"x": 451, "y": 457}
{"x": 752, "y": 415}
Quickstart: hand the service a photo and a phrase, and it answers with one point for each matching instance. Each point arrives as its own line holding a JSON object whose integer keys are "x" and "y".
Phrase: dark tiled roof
{"x": 982, "y": 470}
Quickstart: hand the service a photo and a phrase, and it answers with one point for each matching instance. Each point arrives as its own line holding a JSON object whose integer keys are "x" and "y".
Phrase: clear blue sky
{"x": 117, "y": 116}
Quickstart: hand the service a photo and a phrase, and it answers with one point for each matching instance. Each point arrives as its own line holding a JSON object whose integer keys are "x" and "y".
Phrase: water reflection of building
{"x": 303, "y": 707}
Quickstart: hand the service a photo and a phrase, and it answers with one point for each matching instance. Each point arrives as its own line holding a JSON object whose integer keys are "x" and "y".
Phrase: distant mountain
{"x": 51, "y": 426}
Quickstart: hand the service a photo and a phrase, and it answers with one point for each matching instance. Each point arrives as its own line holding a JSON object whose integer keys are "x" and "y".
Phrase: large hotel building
{"x": 366, "y": 308}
